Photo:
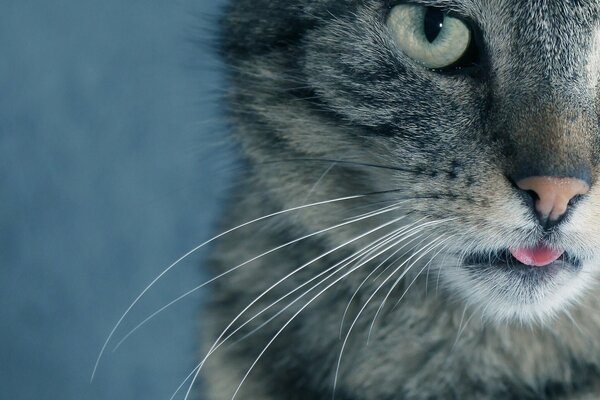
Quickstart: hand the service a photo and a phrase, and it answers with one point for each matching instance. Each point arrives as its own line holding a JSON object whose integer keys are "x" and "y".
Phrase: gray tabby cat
{"x": 427, "y": 172}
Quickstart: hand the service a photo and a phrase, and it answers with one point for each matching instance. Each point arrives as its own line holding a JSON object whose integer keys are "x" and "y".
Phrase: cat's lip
{"x": 540, "y": 256}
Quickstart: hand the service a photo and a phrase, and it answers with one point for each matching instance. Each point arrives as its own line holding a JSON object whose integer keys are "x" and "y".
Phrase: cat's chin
{"x": 506, "y": 290}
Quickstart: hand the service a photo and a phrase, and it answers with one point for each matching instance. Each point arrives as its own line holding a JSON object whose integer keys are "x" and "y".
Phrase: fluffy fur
{"x": 325, "y": 105}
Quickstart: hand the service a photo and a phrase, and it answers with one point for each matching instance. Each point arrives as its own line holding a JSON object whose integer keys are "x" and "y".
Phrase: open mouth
{"x": 538, "y": 257}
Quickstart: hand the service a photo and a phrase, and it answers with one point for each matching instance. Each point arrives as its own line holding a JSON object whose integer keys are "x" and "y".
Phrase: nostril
{"x": 533, "y": 194}
{"x": 575, "y": 200}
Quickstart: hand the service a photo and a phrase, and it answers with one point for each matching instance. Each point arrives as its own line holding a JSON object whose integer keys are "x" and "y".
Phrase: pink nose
{"x": 553, "y": 194}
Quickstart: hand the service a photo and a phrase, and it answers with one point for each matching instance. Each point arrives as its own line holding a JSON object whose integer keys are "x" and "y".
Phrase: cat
{"x": 418, "y": 212}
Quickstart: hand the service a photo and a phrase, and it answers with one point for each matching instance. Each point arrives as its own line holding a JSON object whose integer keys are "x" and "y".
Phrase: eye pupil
{"x": 433, "y": 23}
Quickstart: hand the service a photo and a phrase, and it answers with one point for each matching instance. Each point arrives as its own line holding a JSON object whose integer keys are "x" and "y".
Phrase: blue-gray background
{"x": 111, "y": 166}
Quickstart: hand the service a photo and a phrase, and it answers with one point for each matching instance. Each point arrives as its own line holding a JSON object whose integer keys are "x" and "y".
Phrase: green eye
{"x": 428, "y": 35}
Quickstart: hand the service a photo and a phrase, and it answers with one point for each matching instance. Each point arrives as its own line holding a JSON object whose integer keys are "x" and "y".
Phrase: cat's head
{"x": 479, "y": 117}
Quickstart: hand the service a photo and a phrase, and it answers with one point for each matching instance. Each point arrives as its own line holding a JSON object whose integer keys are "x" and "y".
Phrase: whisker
{"x": 359, "y": 164}
{"x": 353, "y": 324}
{"x": 396, "y": 204}
{"x": 229, "y": 271}
{"x": 437, "y": 282}
{"x": 424, "y": 251}
{"x": 359, "y": 258}
{"x": 374, "y": 203}
{"x": 460, "y": 327}
{"x": 182, "y": 384}
{"x": 427, "y": 281}
{"x": 585, "y": 334}
{"x": 286, "y": 325}
{"x": 337, "y": 161}
{"x": 461, "y": 257}
{"x": 279, "y": 282}
{"x": 422, "y": 269}
{"x": 364, "y": 307}
{"x": 364, "y": 281}
{"x": 170, "y": 267}
{"x": 318, "y": 182}
{"x": 368, "y": 276}
{"x": 429, "y": 270}
{"x": 344, "y": 343}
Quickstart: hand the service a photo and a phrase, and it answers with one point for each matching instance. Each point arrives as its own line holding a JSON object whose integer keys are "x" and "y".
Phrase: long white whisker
{"x": 399, "y": 232}
{"x": 396, "y": 204}
{"x": 424, "y": 267}
{"x": 358, "y": 257}
{"x": 574, "y": 322}
{"x": 182, "y": 384}
{"x": 364, "y": 281}
{"x": 365, "y": 306}
{"x": 337, "y": 369}
{"x": 423, "y": 251}
{"x": 437, "y": 284}
{"x": 344, "y": 343}
{"x": 376, "y": 203}
{"x": 427, "y": 281}
{"x": 408, "y": 268}
{"x": 398, "y": 236}
{"x": 287, "y": 277}
{"x": 286, "y": 325}
{"x": 460, "y": 327}
{"x": 318, "y": 182}
{"x": 218, "y": 343}
{"x": 153, "y": 282}
{"x": 374, "y": 270}
{"x": 229, "y": 271}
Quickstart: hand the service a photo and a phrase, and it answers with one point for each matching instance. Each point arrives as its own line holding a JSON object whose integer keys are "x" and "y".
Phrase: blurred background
{"x": 113, "y": 160}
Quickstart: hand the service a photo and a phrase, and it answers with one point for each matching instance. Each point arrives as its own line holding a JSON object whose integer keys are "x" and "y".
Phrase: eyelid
{"x": 454, "y": 12}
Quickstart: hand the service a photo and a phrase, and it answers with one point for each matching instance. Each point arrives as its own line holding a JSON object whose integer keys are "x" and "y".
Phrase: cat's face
{"x": 509, "y": 93}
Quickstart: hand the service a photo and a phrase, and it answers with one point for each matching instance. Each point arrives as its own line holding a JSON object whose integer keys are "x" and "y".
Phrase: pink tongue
{"x": 536, "y": 256}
